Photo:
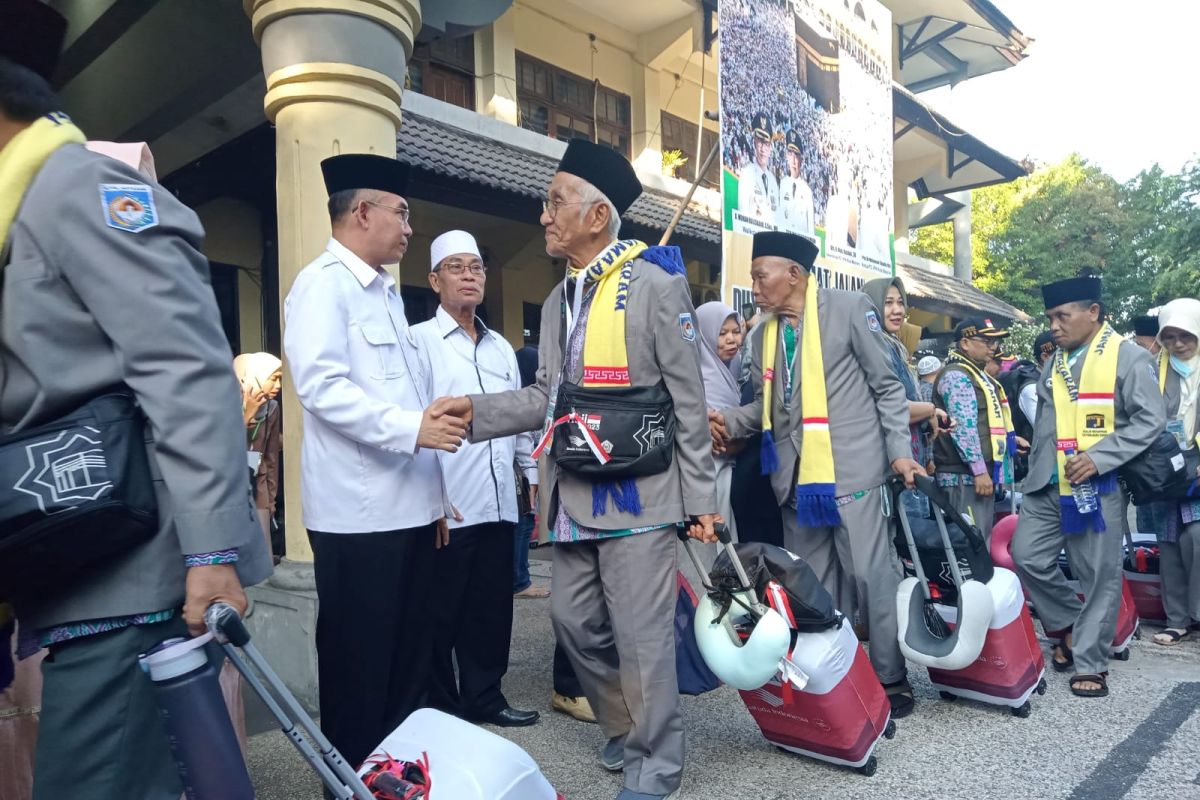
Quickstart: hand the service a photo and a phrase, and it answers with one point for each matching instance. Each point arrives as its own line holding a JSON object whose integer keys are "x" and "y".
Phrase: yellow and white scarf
{"x": 22, "y": 158}
{"x": 816, "y": 490}
{"x": 1084, "y": 415}
{"x": 999, "y": 416}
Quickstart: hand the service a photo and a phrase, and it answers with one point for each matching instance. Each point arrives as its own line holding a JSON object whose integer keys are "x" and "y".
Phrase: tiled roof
{"x": 945, "y": 294}
{"x": 434, "y": 146}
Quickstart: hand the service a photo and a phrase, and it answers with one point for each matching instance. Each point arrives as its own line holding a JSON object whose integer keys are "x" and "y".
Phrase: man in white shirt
{"x": 796, "y": 213}
{"x": 758, "y": 190}
{"x": 374, "y": 501}
{"x": 472, "y": 619}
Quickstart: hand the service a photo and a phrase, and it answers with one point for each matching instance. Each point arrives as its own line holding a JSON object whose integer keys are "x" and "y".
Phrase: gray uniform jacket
{"x": 1173, "y": 396}
{"x": 868, "y": 411}
{"x": 658, "y": 349}
{"x": 1140, "y": 416}
{"x": 86, "y": 308}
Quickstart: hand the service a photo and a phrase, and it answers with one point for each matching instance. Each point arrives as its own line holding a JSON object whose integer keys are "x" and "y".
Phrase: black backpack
{"x": 811, "y": 606}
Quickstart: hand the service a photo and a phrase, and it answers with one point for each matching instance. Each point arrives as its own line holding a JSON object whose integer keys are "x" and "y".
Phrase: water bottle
{"x": 1084, "y": 493}
{"x": 197, "y": 722}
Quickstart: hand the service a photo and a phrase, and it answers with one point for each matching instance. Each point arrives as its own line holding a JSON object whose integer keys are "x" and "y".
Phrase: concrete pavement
{"x": 1140, "y": 743}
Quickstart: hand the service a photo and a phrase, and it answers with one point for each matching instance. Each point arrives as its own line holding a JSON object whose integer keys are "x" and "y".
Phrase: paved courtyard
{"x": 1140, "y": 743}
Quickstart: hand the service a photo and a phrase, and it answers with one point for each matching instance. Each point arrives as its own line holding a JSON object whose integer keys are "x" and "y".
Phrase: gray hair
{"x": 590, "y": 196}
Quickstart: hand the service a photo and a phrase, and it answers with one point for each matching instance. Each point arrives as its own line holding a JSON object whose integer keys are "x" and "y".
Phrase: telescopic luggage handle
{"x": 726, "y": 540}
{"x": 928, "y": 487}
{"x": 230, "y": 632}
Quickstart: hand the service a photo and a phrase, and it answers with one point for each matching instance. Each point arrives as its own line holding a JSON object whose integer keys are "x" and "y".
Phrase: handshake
{"x": 445, "y": 423}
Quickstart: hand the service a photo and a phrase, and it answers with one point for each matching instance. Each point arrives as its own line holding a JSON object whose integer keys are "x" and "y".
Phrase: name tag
{"x": 253, "y": 459}
{"x": 1175, "y": 428}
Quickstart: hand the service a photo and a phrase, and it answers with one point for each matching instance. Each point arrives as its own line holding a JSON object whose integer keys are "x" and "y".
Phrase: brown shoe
{"x": 577, "y": 707}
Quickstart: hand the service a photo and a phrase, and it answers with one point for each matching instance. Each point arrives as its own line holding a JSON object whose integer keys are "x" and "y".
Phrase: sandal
{"x": 1169, "y": 637}
{"x": 1068, "y": 658}
{"x": 900, "y": 695}
{"x": 1083, "y": 677}
{"x": 531, "y": 592}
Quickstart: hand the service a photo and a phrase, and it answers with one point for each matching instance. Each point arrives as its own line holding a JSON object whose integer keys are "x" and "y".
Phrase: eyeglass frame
{"x": 993, "y": 342}
{"x": 478, "y": 270}
{"x": 551, "y": 207}
{"x": 403, "y": 212}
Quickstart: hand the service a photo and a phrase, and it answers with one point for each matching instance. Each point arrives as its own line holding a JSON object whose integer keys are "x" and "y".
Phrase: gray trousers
{"x": 1095, "y": 560}
{"x": 858, "y": 557}
{"x": 100, "y": 735}
{"x": 983, "y": 509}
{"x": 613, "y": 608}
{"x": 1179, "y": 565}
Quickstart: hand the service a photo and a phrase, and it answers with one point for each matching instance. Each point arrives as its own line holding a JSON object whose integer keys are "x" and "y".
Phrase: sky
{"x": 1115, "y": 81}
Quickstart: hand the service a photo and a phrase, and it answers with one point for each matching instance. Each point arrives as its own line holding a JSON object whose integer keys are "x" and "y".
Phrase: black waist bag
{"x": 75, "y": 491}
{"x": 633, "y": 426}
{"x": 1161, "y": 472}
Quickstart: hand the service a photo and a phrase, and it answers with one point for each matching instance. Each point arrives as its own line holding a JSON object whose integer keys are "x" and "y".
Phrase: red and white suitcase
{"x": 841, "y": 713}
{"x": 1142, "y": 573}
{"x": 1010, "y": 667}
{"x": 1127, "y": 614}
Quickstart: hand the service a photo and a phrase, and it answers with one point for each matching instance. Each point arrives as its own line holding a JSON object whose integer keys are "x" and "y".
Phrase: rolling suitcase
{"x": 1008, "y": 665}
{"x": 824, "y": 700}
{"x": 1145, "y": 582}
{"x": 1127, "y": 614}
{"x": 468, "y": 762}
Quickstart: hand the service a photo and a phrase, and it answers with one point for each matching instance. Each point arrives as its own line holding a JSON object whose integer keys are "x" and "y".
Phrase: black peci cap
{"x": 32, "y": 35}
{"x": 1145, "y": 326}
{"x": 364, "y": 171}
{"x": 1072, "y": 290}
{"x": 604, "y": 168}
{"x": 791, "y": 246}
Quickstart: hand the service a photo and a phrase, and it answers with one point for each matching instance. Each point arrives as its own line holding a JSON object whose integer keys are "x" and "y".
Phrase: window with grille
{"x": 565, "y": 106}
{"x": 679, "y": 134}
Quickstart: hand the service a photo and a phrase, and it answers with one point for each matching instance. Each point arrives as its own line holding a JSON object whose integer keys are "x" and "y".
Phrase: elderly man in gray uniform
{"x": 1098, "y": 407}
{"x": 844, "y": 438}
{"x": 621, "y": 322}
{"x": 105, "y": 288}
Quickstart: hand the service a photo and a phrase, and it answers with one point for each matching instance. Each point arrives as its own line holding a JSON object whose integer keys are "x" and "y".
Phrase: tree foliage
{"x": 1143, "y": 236}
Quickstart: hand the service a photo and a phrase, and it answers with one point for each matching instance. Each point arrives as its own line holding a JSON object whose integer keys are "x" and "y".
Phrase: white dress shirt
{"x": 479, "y": 477}
{"x": 796, "y": 207}
{"x": 1028, "y": 401}
{"x": 362, "y": 384}
{"x": 758, "y": 193}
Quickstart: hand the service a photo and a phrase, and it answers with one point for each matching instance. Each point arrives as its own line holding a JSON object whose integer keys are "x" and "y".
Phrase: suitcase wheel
{"x": 890, "y": 731}
{"x": 1041, "y": 687}
{"x": 947, "y": 696}
{"x": 1137, "y": 632}
{"x": 1022, "y": 710}
{"x": 869, "y": 767}
{"x": 1122, "y": 656}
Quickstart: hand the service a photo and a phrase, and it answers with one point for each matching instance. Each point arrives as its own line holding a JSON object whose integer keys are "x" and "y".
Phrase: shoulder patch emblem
{"x": 873, "y": 321}
{"x": 687, "y": 327}
{"x": 128, "y": 206}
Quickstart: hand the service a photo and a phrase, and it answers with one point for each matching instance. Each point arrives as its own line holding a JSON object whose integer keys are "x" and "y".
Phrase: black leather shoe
{"x": 509, "y": 717}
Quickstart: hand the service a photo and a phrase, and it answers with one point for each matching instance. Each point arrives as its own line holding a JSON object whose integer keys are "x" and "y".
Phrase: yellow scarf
{"x": 999, "y": 415}
{"x": 605, "y": 361}
{"x": 816, "y": 499}
{"x": 1084, "y": 415}
{"x": 23, "y": 157}
{"x": 1164, "y": 361}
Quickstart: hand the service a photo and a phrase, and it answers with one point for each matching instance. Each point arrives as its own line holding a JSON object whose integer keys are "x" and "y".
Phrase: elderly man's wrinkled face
{"x": 565, "y": 217}
{"x": 386, "y": 217}
{"x": 459, "y": 280}
{"x": 1072, "y": 324}
{"x": 772, "y": 280}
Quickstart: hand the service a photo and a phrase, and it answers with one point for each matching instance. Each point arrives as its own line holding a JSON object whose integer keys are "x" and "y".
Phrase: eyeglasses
{"x": 457, "y": 268}
{"x": 402, "y": 212}
{"x": 551, "y": 206}
{"x": 991, "y": 342}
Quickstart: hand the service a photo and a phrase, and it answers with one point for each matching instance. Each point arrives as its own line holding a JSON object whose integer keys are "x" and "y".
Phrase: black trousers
{"x": 472, "y": 620}
{"x": 373, "y": 643}
{"x": 566, "y": 682}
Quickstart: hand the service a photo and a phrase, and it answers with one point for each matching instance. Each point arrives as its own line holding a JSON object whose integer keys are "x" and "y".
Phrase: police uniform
{"x": 104, "y": 286}
{"x": 796, "y": 213}
{"x": 1095, "y": 557}
{"x": 868, "y": 424}
{"x": 372, "y": 497}
{"x": 614, "y": 589}
{"x": 758, "y": 189}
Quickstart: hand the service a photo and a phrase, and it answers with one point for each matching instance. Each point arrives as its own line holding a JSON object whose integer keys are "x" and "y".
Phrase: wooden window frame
{"x": 566, "y": 110}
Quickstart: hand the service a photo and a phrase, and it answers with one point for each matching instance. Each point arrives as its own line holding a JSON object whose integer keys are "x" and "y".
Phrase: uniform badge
{"x": 687, "y": 327}
{"x": 128, "y": 206}
{"x": 873, "y": 321}
{"x": 1093, "y": 422}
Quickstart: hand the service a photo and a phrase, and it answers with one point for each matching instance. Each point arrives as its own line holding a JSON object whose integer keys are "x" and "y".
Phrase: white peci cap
{"x": 451, "y": 243}
{"x": 928, "y": 365}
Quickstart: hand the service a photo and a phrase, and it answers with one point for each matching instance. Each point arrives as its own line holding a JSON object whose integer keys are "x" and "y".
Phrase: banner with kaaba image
{"x": 806, "y": 133}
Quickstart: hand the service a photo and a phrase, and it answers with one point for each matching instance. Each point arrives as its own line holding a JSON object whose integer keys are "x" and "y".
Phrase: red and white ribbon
{"x": 577, "y": 419}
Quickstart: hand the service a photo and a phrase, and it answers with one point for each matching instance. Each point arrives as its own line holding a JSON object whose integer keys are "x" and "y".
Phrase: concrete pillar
{"x": 334, "y": 71}
{"x": 646, "y": 116}
{"x": 962, "y": 237}
{"x": 496, "y": 60}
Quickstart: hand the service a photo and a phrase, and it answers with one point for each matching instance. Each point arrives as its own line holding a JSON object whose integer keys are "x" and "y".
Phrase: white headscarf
{"x": 260, "y": 366}
{"x": 1184, "y": 314}
{"x": 720, "y": 379}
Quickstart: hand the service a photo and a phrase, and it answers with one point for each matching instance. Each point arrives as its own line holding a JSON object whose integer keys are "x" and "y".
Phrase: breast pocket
{"x": 380, "y": 350}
